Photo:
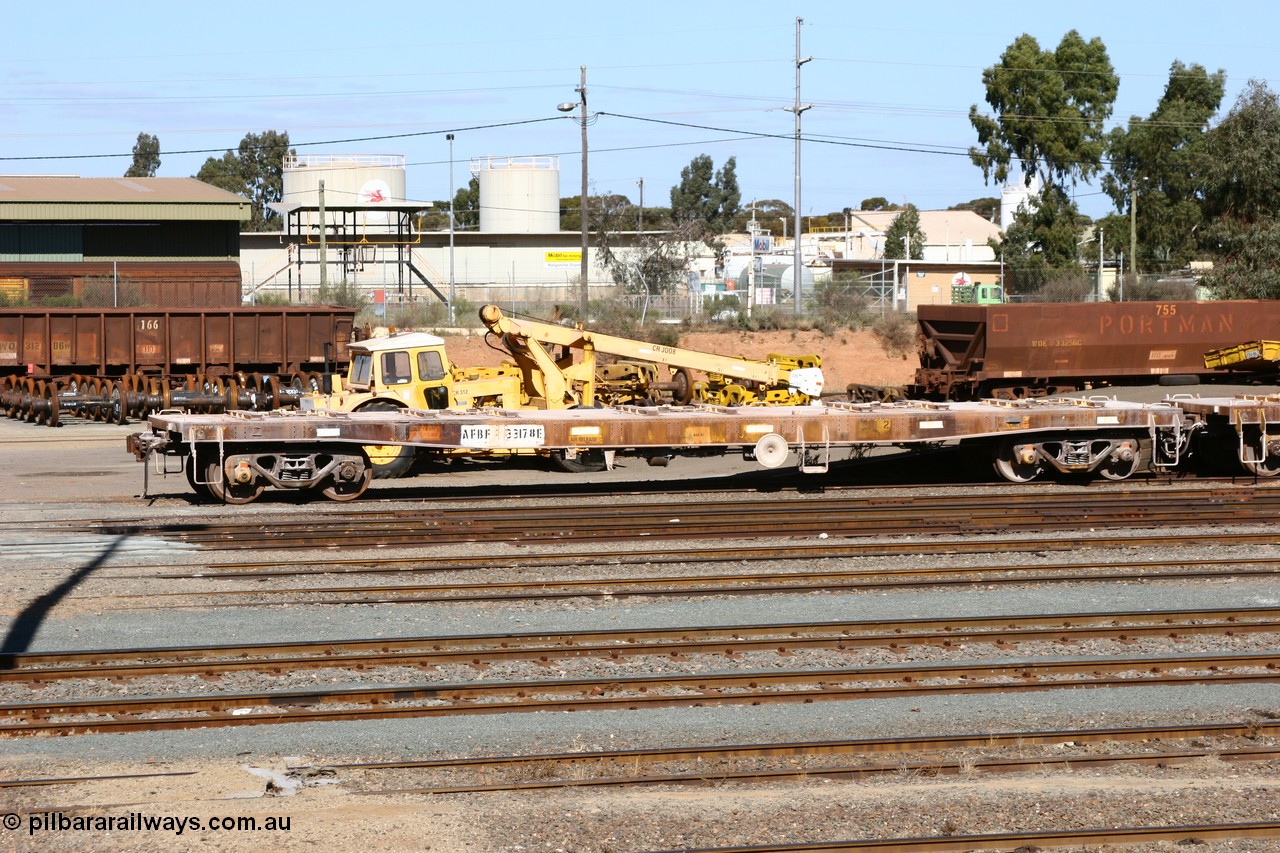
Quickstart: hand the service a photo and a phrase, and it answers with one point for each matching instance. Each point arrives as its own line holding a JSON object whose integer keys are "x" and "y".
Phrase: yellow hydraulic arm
{"x": 562, "y": 383}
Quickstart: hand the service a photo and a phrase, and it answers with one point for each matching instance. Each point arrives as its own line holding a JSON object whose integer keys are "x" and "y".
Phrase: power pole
{"x": 797, "y": 279}
{"x": 324, "y": 246}
{"x": 453, "y": 295}
{"x": 1133, "y": 228}
{"x": 584, "y": 296}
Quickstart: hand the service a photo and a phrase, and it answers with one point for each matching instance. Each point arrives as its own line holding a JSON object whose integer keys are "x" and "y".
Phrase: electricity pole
{"x": 797, "y": 279}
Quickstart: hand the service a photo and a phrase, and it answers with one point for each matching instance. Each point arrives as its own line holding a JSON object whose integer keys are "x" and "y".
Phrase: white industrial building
{"x": 518, "y": 256}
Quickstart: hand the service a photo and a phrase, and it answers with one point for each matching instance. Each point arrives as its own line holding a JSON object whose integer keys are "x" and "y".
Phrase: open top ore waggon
{"x": 971, "y": 352}
{"x": 233, "y": 457}
{"x": 114, "y": 363}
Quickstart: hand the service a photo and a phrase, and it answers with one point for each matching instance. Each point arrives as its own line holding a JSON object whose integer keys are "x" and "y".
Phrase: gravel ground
{"x": 70, "y": 474}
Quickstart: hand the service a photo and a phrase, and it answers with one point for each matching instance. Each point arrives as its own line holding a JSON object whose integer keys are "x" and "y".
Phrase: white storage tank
{"x": 350, "y": 180}
{"x": 518, "y": 195}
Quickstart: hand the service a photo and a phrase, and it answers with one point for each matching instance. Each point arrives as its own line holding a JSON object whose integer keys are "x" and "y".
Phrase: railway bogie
{"x": 239, "y": 477}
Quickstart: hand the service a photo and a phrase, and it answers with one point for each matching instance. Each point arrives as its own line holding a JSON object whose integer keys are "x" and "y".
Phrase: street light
{"x": 568, "y": 107}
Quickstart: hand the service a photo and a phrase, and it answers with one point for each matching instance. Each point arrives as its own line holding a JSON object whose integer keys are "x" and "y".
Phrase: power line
{"x": 296, "y": 144}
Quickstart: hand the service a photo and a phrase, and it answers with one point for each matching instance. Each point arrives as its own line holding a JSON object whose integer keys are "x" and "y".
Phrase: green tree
{"x": 1049, "y": 108}
{"x": 466, "y": 206}
{"x": 772, "y": 215}
{"x": 1155, "y": 158}
{"x": 435, "y": 217}
{"x": 146, "y": 157}
{"x": 707, "y": 195}
{"x": 647, "y": 264}
{"x": 1240, "y": 167}
{"x": 988, "y": 208}
{"x": 1042, "y": 243}
{"x": 255, "y": 171}
{"x": 878, "y": 203}
{"x": 905, "y": 232}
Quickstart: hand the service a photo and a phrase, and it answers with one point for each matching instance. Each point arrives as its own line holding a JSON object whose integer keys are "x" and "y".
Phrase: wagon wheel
{"x": 348, "y": 490}
{"x": 682, "y": 393}
{"x": 13, "y": 406}
{"x": 217, "y": 387}
{"x": 1011, "y": 466}
{"x": 1118, "y": 470}
{"x": 1121, "y": 470}
{"x": 222, "y": 489}
{"x": 35, "y": 406}
{"x": 231, "y": 397}
{"x": 252, "y": 386}
{"x": 12, "y": 393}
{"x": 133, "y": 383}
{"x": 27, "y": 407}
{"x": 52, "y": 408}
{"x": 1268, "y": 466}
{"x": 90, "y": 391}
{"x": 118, "y": 411}
{"x": 267, "y": 399}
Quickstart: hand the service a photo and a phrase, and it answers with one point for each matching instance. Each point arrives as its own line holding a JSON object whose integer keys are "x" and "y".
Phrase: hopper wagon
{"x": 971, "y": 352}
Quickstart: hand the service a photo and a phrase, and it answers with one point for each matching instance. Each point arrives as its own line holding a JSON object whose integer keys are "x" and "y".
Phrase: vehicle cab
{"x": 408, "y": 370}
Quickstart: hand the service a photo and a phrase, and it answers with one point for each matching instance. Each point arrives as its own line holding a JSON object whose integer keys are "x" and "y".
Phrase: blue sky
{"x": 666, "y": 82}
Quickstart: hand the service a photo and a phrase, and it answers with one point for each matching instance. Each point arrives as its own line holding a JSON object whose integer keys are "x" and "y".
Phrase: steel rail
{"x": 716, "y": 502}
{"x": 721, "y": 519}
{"x": 668, "y": 690}
{"x": 734, "y": 525}
{"x": 382, "y": 563}
{"x": 1190, "y": 833}
{"x": 76, "y": 780}
{"x": 680, "y": 586}
{"x": 857, "y": 746}
{"x": 480, "y": 650}
{"x": 712, "y": 776}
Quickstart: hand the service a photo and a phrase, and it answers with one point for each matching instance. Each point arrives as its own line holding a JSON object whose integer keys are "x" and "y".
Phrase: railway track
{"x": 1018, "y": 841}
{"x": 625, "y": 693}
{"x": 542, "y": 648}
{"x": 690, "y": 586}
{"x": 788, "y": 517}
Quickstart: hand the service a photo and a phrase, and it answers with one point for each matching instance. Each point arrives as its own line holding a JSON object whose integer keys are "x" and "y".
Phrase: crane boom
{"x": 527, "y": 340}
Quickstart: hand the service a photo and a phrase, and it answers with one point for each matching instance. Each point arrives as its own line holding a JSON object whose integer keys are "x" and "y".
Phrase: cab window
{"x": 430, "y": 366}
{"x": 361, "y": 366}
{"x": 396, "y": 368}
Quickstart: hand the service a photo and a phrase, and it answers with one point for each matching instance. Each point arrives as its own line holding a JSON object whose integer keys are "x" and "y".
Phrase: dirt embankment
{"x": 847, "y": 356}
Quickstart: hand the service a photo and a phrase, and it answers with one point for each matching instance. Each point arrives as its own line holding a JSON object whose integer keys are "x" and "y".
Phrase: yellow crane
{"x": 413, "y": 371}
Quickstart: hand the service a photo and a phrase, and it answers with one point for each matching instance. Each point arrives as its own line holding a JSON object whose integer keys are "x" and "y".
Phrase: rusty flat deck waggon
{"x": 234, "y": 456}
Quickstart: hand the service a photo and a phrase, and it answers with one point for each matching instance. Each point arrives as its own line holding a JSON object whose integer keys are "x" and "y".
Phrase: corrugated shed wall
{"x": 40, "y": 242}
